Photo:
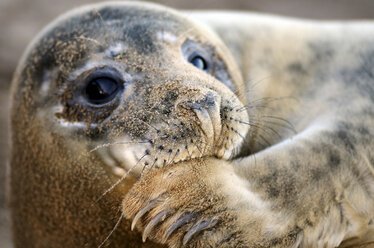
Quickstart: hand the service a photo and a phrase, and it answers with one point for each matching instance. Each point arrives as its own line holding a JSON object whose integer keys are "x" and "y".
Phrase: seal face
{"x": 132, "y": 87}
{"x": 151, "y": 93}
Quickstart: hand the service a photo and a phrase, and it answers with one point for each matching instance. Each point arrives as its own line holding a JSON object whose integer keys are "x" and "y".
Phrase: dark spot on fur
{"x": 308, "y": 223}
{"x": 322, "y": 50}
{"x": 341, "y": 214}
{"x": 362, "y": 76}
{"x": 297, "y": 68}
{"x": 273, "y": 192}
{"x": 295, "y": 165}
{"x": 141, "y": 38}
{"x": 347, "y": 139}
{"x": 317, "y": 174}
{"x": 363, "y": 131}
{"x": 333, "y": 158}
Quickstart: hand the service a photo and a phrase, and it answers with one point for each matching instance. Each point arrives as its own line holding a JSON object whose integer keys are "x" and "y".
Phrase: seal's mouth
{"x": 208, "y": 127}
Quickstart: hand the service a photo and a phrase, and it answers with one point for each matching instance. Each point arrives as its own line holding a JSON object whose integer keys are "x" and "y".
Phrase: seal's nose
{"x": 205, "y": 111}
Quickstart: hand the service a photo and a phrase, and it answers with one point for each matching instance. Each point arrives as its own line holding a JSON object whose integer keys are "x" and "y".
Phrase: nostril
{"x": 205, "y": 102}
{"x": 205, "y": 111}
{"x": 210, "y": 100}
{"x": 186, "y": 110}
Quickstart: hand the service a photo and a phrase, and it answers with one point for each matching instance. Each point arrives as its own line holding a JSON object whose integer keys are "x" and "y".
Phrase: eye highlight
{"x": 198, "y": 61}
{"x": 101, "y": 90}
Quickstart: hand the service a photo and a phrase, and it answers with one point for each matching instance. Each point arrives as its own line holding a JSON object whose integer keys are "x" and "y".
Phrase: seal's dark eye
{"x": 101, "y": 90}
{"x": 199, "y": 62}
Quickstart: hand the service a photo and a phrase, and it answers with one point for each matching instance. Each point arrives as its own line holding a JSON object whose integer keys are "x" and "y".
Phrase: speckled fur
{"x": 287, "y": 159}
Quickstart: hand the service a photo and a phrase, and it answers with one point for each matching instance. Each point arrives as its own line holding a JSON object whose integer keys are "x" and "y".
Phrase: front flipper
{"x": 321, "y": 181}
{"x": 202, "y": 203}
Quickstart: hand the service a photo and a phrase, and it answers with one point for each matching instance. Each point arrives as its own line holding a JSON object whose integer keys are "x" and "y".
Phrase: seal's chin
{"x": 134, "y": 158}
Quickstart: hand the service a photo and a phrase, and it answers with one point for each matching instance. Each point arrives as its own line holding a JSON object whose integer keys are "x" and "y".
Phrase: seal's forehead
{"x": 95, "y": 28}
{"x": 133, "y": 23}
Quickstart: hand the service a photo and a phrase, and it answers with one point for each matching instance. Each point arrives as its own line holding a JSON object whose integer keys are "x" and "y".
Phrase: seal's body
{"x": 243, "y": 131}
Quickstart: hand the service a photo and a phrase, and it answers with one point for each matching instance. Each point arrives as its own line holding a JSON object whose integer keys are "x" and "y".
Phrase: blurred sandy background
{"x": 22, "y": 19}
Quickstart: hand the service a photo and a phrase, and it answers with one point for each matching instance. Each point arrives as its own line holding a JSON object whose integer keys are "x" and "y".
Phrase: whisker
{"x": 278, "y": 118}
{"x": 189, "y": 154}
{"x": 111, "y": 232}
{"x": 102, "y": 19}
{"x": 157, "y": 130}
{"x": 252, "y": 106}
{"x": 154, "y": 162}
{"x": 262, "y": 128}
{"x": 263, "y": 138}
{"x": 198, "y": 148}
{"x": 88, "y": 39}
{"x": 176, "y": 153}
{"x": 255, "y": 83}
{"x": 276, "y": 124}
{"x": 268, "y": 100}
{"x": 117, "y": 143}
{"x": 120, "y": 180}
{"x": 145, "y": 166}
{"x": 254, "y": 124}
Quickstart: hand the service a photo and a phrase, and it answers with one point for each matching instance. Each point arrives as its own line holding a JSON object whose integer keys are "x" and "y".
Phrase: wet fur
{"x": 297, "y": 173}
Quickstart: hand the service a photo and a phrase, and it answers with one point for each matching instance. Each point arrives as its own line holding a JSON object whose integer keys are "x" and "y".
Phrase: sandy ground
{"x": 22, "y": 19}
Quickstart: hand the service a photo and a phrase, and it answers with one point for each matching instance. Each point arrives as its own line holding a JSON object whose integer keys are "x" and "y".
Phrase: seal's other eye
{"x": 101, "y": 90}
{"x": 198, "y": 61}
{"x": 204, "y": 57}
